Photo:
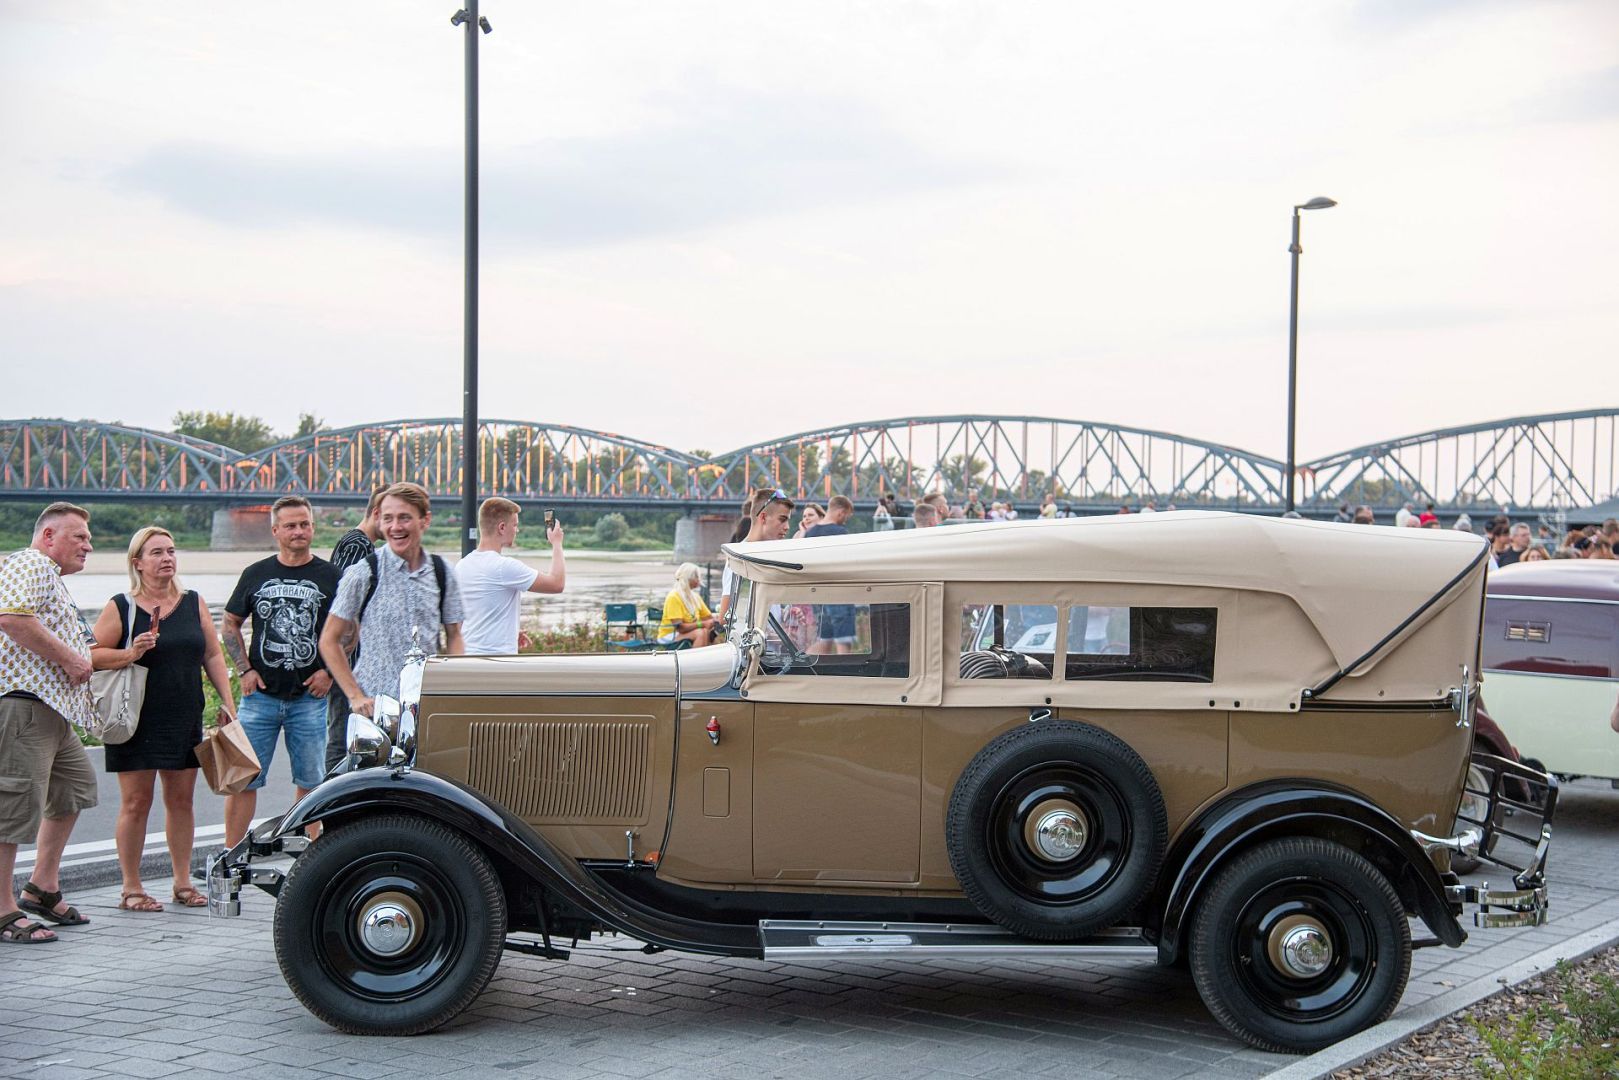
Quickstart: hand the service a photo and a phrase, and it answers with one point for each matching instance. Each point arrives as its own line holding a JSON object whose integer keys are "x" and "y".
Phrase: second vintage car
{"x": 1551, "y": 657}
{"x": 1235, "y": 743}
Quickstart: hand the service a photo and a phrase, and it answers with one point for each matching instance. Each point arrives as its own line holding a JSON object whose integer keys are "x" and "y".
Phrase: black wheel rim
{"x": 1071, "y": 880}
{"x": 361, "y": 970}
{"x": 1346, "y": 976}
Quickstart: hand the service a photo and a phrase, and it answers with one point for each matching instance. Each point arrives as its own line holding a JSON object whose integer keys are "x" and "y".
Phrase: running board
{"x": 784, "y": 938}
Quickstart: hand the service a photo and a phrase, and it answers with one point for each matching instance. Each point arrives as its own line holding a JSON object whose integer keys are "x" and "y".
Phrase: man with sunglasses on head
{"x": 769, "y": 509}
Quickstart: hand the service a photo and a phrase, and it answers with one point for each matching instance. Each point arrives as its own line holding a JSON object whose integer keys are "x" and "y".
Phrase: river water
{"x": 594, "y": 579}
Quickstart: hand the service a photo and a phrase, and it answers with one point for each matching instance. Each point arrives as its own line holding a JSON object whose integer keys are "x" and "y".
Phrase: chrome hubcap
{"x": 1057, "y": 831}
{"x": 390, "y": 924}
{"x": 1300, "y": 948}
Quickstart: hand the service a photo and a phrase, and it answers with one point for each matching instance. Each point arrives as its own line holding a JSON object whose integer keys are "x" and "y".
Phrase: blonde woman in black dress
{"x": 176, "y": 642}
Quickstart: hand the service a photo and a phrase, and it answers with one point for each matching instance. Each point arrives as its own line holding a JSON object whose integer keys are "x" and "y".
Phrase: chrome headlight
{"x": 410, "y": 702}
{"x": 371, "y": 738}
{"x": 386, "y": 712}
{"x": 367, "y": 742}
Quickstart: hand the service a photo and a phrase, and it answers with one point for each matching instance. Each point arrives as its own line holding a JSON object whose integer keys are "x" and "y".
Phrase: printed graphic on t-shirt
{"x": 288, "y": 611}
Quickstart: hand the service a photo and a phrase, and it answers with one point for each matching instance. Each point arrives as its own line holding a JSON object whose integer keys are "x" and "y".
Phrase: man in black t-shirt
{"x": 284, "y": 682}
{"x": 360, "y": 541}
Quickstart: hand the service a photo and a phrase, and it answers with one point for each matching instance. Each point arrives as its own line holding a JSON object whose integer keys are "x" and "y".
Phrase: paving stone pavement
{"x": 180, "y": 995}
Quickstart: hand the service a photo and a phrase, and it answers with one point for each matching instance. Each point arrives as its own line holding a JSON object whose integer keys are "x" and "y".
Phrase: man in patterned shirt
{"x": 399, "y": 596}
{"x": 45, "y": 775}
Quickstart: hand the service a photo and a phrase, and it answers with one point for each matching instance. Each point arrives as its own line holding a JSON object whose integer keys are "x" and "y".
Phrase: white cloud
{"x": 719, "y": 221}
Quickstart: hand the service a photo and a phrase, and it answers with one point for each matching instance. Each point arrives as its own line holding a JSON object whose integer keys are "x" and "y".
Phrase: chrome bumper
{"x": 1518, "y": 907}
{"x": 1513, "y": 833}
{"x": 230, "y": 870}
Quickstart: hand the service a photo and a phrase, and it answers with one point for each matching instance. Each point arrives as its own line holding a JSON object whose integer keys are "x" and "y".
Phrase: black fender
{"x": 515, "y": 843}
{"x": 1277, "y": 808}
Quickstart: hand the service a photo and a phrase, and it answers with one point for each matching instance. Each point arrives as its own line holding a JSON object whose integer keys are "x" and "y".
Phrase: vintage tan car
{"x": 1235, "y": 743}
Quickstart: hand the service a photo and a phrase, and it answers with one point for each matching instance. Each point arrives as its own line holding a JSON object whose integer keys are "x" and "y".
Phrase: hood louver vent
{"x": 574, "y": 771}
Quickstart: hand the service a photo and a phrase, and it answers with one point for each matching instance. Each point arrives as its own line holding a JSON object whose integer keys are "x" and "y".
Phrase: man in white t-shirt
{"x": 492, "y": 585}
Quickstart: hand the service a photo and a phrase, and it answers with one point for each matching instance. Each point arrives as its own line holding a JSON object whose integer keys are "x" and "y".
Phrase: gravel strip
{"x": 1450, "y": 1049}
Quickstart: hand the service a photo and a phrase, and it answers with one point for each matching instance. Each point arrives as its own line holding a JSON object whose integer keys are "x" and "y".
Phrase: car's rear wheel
{"x": 1056, "y": 830}
{"x": 1300, "y": 943}
{"x": 389, "y": 926}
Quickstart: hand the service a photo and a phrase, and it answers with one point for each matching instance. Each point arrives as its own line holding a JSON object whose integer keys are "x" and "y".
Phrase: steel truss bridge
{"x": 1531, "y": 464}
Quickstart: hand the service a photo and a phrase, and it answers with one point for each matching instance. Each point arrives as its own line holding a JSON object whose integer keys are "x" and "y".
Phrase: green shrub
{"x": 1547, "y": 1043}
{"x": 579, "y": 637}
{"x": 611, "y": 528}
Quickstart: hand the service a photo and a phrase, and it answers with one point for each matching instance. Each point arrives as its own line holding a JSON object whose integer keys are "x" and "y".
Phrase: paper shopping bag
{"x": 227, "y": 758}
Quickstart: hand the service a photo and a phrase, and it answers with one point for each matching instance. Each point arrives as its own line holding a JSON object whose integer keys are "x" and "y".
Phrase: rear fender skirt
{"x": 513, "y": 841}
{"x": 1278, "y": 808}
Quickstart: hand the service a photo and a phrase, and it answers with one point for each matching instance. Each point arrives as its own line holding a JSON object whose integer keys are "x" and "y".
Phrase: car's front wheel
{"x": 1300, "y": 943}
{"x": 389, "y": 926}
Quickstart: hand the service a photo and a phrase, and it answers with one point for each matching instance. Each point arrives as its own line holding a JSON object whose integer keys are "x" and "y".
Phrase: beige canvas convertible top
{"x": 1365, "y": 590}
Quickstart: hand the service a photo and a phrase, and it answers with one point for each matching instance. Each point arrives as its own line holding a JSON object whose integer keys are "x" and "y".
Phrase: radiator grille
{"x": 563, "y": 770}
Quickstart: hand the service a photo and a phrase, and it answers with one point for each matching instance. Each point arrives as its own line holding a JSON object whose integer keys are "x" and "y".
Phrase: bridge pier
{"x": 241, "y": 528}
{"x": 698, "y": 537}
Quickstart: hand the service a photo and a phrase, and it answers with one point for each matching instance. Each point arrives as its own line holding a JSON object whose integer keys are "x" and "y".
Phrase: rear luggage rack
{"x": 1514, "y": 833}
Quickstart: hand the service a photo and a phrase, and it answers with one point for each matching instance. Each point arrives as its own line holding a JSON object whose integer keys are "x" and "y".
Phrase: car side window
{"x": 1008, "y": 641}
{"x": 854, "y": 640}
{"x": 1141, "y": 644}
{"x": 1549, "y": 638}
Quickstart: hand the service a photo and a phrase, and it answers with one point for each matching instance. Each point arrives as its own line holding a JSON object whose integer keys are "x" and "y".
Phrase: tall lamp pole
{"x": 1320, "y": 202}
{"x": 469, "y": 17}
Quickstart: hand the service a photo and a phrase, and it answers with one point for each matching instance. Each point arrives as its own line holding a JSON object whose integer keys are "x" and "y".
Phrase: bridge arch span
{"x": 518, "y": 458}
{"x": 1546, "y": 462}
{"x": 1019, "y": 458}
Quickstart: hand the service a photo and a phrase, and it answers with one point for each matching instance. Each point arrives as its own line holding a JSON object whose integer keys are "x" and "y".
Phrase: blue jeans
{"x": 304, "y": 721}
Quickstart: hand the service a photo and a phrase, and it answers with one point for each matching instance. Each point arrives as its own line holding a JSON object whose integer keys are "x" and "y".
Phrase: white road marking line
{"x": 98, "y": 850}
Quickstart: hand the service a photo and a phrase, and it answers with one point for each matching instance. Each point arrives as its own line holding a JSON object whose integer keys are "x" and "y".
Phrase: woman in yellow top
{"x": 685, "y": 616}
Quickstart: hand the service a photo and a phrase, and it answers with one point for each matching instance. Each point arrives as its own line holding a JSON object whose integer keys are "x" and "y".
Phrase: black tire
{"x": 425, "y": 871}
{"x": 1313, "y": 886}
{"x": 1060, "y": 883}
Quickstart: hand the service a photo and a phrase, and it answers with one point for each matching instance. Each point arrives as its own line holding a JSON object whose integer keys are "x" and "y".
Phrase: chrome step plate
{"x": 787, "y": 938}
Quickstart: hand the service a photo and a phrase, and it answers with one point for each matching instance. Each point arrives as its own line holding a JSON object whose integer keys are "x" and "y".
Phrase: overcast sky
{"x": 707, "y": 223}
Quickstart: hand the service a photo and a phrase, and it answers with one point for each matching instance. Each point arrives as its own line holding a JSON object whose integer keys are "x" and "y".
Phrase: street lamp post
{"x": 1320, "y": 202}
{"x": 469, "y": 17}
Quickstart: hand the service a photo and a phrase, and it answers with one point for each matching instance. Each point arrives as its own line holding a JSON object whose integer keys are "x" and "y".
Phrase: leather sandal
{"x": 189, "y": 897}
{"x": 37, "y": 901}
{"x": 15, "y": 929}
{"x": 138, "y": 901}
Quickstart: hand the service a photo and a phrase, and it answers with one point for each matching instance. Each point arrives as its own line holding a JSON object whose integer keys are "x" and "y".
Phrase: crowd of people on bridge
{"x": 313, "y": 640}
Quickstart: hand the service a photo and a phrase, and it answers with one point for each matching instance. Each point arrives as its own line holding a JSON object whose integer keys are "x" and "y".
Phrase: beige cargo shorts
{"x": 44, "y": 771}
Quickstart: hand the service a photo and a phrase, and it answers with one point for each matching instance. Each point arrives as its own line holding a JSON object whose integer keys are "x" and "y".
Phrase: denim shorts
{"x": 835, "y": 622}
{"x": 303, "y": 719}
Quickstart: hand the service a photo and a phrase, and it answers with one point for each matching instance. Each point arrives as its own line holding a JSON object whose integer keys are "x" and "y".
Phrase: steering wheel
{"x": 791, "y": 654}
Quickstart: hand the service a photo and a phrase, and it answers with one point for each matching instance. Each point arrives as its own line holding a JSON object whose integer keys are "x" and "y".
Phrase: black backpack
{"x": 441, "y": 573}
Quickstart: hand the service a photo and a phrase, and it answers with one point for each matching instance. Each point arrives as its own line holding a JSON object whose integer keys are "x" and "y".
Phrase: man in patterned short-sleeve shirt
{"x": 404, "y": 608}
{"x": 45, "y": 775}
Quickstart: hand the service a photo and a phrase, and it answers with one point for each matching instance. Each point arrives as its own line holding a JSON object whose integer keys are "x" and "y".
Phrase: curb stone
{"x": 1374, "y": 1040}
